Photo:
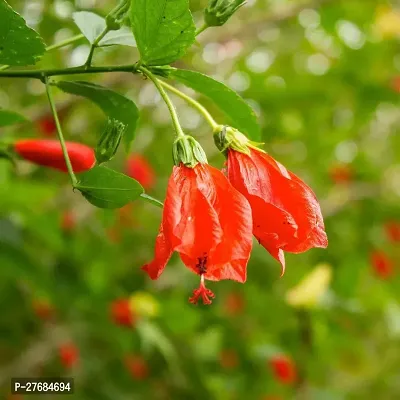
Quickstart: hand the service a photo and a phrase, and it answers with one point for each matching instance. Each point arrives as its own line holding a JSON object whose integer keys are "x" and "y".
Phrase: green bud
{"x": 109, "y": 141}
{"x": 226, "y": 137}
{"x": 187, "y": 151}
{"x": 219, "y": 11}
{"x": 117, "y": 16}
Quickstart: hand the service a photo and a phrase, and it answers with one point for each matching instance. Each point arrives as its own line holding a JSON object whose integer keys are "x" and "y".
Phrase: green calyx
{"x": 226, "y": 137}
{"x": 219, "y": 11}
{"x": 116, "y": 16}
{"x": 109, "y": 141}
{"x": 187, "y": 151}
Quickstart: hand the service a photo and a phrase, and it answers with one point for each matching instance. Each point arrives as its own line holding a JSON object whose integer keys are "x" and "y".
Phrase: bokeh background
{"x": 324, "y": 79}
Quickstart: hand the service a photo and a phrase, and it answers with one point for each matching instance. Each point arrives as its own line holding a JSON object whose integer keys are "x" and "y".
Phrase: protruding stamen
{"x": 202, "y": 292}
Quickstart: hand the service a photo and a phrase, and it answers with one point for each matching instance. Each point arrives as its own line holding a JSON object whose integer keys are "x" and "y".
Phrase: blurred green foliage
{"x": 323, "y": 78}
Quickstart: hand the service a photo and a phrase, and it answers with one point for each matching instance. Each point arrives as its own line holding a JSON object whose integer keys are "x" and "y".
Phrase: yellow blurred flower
{"x": 387, "y": 22}
{"x": 145, "y": 304}
{"x": 310, "y": 289}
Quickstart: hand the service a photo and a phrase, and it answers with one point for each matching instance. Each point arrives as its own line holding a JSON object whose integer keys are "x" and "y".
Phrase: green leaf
{"x": 114, "y": 105}
{"x": 19, "y": 44}
{"x": 241, "y": 114}
{"x": 122, "y": 36}
{"x": 163, "y": 29}
{"x": 92, "y": 25}
{"x": 152, "y": 200}
{"x": 10, "y": 117}
{"x": 106, "y": 188}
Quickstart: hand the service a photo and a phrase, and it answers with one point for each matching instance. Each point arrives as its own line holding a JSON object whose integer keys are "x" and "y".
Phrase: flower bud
{"x": 116, "y": 17}
{"x": 109, "y": 141}
{"x": 219, "y": 11}
{"x": 226, "y": 137}
{"x": 187, "y": 150}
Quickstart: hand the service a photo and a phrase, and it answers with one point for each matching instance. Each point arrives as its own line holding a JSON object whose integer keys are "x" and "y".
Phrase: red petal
{"x": 311, "y": 229}
{"x": 198, "y": 230}
{"x": 282, "y": 204}
{"x": 162, "y": 254}
{"x": 229, "y": 261}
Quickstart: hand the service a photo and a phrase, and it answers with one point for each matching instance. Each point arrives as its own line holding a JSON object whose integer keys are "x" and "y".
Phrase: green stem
{"x": 94, "y": 45}
{"x": 54, "y": 46}
{"x": 168, "y": 102}
{"x": 60, "y": 134}
{"x": 40, "y": 73}
{"x": 202, "y": 29}
{"x": 65, "y": 42}
{"x": 201, "y": 109}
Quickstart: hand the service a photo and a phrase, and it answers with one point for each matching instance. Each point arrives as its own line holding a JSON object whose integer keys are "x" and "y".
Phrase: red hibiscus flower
{"x": 382, "y": 264}
{"x": 205, "y": 220}
{"x": 284, "y": 369}
{"x": 137, "y": 167}
{"x": 286, "y": 213}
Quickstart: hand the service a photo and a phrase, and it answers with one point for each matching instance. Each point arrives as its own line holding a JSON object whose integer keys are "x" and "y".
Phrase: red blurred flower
{"x": 234, "y": 303}
{"x": 396, "y": 84}
{"x": 229, "y": 359}
{"x": 137, "y": 167}
{"x": 47, "y": 126}
{"x": 382, "y": 264}
{"x": 341, "y": 174}
{"x": 284, "y": 369}
{"x": 68, "y": 221}
{"x": 392, "y": 229}
{"x": 208, "y": 223}
{"x": 43, "y": 309}
{"x": 121, "y": 312}
{"x": 286, "y": 213}
{"x": 69, "y": 355}
{"x": 137, "y": 367}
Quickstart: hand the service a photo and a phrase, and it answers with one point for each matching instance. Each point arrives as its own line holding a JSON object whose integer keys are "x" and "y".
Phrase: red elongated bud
{"x": 49, "y": 153}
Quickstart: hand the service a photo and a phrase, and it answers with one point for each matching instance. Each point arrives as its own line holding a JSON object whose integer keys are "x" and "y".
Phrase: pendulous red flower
{"x": 121, "y": 312}
{"x": 137, "y": 167}
{"x": 69, "y": 355}
{"x": 284, "y": 369}
{"x": 286, "y": 213}
{"x": 381, "y": 263}
{"x": 205, "y": 220}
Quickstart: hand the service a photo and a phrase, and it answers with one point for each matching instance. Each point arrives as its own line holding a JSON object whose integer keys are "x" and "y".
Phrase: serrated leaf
{"x": 19, "y": 44}
{"x": 92, "y": 25}
{"x": 106, "y": 188}
{"x": 242, "y": 115}
{"x": 10, "y": 117}
{"x": 122, "y": 37}
{"x": 163, "y": 29}
{"x": 114, "y": 105}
